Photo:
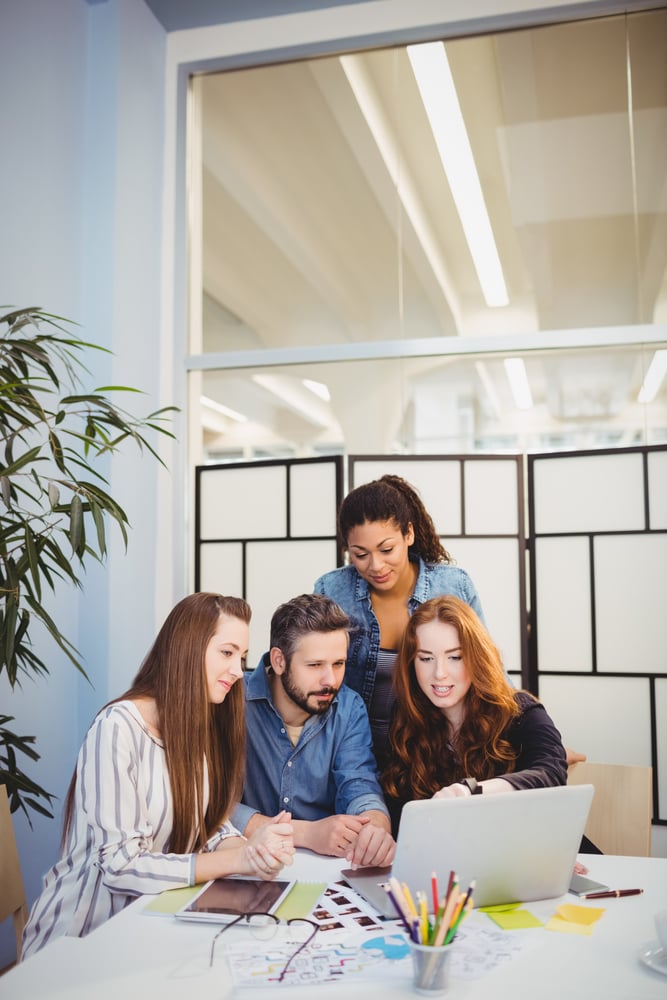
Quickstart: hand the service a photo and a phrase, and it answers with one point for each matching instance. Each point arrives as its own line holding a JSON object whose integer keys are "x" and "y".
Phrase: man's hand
{"x": 374, "y": 844}
{"x": 334, "y": 835}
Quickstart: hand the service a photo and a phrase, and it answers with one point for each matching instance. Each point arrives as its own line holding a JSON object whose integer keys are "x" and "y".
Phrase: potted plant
{"x": 54, "y": 503}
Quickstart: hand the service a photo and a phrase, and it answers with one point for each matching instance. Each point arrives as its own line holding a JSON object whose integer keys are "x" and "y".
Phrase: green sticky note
{"x": 499, "y": 908}
{"x": 514, "y": 920}
{"x": 172, "y": 900}
{"x": 301, "y": 900}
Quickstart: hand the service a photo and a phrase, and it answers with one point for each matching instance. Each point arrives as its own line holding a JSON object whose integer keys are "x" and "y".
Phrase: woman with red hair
{"x": 459, "y": 727}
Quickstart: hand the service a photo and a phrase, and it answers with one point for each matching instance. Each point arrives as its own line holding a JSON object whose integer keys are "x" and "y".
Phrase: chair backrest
{"x": 12, "y": 892}
{"x": 620, "y": 818}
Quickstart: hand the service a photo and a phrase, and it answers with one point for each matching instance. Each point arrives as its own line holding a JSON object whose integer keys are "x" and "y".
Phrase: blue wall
{"x": 82, "y": 120}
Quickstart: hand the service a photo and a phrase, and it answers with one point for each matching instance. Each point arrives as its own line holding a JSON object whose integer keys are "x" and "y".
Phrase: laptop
{"x": 519, "y": 846}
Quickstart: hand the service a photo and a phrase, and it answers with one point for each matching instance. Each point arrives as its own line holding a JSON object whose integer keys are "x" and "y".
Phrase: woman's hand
{"x": 455, "y": 791}
{"x": 490, "y": 786}
{"x": 271, "y": 846}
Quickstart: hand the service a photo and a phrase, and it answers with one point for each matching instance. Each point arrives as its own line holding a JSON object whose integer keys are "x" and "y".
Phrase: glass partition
{"x": 403, "y": 250}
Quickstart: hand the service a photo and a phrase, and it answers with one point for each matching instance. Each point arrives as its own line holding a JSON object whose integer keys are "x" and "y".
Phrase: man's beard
{"x": 302, "y": 698}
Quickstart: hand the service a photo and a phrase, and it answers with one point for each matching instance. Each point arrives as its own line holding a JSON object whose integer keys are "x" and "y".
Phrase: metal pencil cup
{"x": 430, "y": 966}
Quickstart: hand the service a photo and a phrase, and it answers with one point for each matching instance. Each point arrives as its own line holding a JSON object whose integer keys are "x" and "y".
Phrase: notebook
{"x": 519, "y": 846}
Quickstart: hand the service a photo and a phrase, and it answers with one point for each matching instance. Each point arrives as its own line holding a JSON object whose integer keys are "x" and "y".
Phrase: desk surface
{"x": 139, "y": 956}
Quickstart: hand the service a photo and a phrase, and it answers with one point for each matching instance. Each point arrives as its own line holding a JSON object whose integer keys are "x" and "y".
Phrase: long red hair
{"x": 425, "y": 753}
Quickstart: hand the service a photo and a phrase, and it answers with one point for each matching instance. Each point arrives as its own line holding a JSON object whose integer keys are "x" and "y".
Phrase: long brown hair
{"x": 195, "y": 733}
{"x": 392, "y": 498}
{"x": 425, "y": 753}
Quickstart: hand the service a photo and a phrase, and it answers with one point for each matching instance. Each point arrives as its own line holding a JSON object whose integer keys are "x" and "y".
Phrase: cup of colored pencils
{"x": 431, "y": 934}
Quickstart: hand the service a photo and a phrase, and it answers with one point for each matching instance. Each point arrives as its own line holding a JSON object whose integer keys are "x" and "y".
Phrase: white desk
{"x": 140, "y": 957}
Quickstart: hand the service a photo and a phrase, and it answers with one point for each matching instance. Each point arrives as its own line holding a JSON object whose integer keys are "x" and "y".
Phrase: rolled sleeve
{"x": 354, "y": 765}
{"x": 241, "y": 815}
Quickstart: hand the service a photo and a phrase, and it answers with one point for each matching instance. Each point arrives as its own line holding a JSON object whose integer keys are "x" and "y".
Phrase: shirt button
{"x": 289, "y": 763}
{"x": 286, "y": 799}
{"x": 282, "y": 730}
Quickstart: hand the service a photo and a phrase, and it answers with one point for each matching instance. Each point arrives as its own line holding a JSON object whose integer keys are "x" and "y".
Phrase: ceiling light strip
{"x": 438, "y": 93}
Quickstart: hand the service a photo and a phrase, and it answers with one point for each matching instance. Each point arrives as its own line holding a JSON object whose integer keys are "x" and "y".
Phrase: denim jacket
{"x": 352, "y": 593}
{"x": 331, "y": 769}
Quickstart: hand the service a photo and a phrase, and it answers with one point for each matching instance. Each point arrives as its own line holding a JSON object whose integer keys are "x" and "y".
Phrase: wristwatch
{"x": 473, "y": 785}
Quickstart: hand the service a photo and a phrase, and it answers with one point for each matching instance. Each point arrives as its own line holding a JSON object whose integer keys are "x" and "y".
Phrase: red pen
{"x": 607, "y": 894}
{"x": 434, "y": 889}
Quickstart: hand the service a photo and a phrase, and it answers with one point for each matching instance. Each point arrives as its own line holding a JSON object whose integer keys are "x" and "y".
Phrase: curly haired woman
{"x": 459, "y": 727}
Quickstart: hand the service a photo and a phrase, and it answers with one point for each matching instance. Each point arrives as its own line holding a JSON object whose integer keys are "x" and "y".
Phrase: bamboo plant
{"x": 55, "y": 507}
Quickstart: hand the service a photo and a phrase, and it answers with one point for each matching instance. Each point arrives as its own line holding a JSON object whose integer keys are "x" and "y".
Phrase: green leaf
{"x": 20, "y": 463}
{"x": 76, "y": 532}
{"x": 33, "y": 559}
{"x": 98, "y": 518}
{"x": 49, "y": 415}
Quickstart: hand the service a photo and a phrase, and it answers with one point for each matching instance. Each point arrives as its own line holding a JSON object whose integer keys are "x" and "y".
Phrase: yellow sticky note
{"x": 568, "y": 927}
{"x": 513, "y": 920}
{"x": 580, "y": 914}
{"x": 572, "y": 919}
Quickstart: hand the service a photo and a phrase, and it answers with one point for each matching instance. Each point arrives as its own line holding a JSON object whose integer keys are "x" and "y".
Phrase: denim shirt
{"x": 330, "y": 771}
{"x": 352, "y": 593}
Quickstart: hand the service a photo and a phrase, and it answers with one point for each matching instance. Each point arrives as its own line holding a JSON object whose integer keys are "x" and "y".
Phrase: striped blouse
{"x": 117, "y": 844}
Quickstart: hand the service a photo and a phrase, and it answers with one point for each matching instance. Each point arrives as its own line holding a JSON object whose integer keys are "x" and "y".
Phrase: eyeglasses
{"x": 264, "y": 926}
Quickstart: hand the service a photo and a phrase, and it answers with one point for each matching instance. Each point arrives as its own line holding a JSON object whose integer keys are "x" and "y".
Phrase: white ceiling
{"x": 306, "y": 242}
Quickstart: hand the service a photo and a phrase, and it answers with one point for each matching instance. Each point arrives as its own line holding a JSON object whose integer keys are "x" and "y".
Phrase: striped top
{"x": 117, "y": 845}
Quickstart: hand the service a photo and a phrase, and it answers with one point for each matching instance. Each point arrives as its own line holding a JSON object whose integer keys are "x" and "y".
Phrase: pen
{"x": 434, "y": 891}
{"x": 612, "y": 892}
{"x": 407, "y": 895}
{"x": 443, "y": 927}
{"x": 459, "y": 915}
{"x": 402, "y": 915}
{"x": 423, "y": 916}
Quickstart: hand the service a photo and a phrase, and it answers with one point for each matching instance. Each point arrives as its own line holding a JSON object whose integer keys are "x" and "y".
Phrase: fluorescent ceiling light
{"x": 438, "y": 93}
{"x": 653, "y": 378}
{"x": 226, "y": 411}
{"x": 518, "y": 380}
{"x": 319, "y": 388}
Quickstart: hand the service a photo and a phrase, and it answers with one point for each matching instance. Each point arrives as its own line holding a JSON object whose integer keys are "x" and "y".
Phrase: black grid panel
{"x": 265, "y": 531}
{"x": 477, "y": 505}
{"x": 598, "y": 579}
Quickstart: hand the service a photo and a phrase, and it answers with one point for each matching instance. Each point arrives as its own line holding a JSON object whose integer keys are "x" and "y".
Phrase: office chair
{"x": 620, "y": 818}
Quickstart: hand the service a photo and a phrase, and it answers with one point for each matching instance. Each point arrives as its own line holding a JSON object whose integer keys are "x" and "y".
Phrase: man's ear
{"x": 278, "y": 662}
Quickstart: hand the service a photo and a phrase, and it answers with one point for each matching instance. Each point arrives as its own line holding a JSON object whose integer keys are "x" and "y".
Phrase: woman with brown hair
{"x": 459, "y": 727}
{"x": 156, "y": 778}
{"x": 397, "y": 562}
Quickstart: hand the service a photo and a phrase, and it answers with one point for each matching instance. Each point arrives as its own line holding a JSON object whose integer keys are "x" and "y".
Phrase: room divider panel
{"x": 476, "y": 502}
{"x": 577, "y": 606}
{"x": 598, "y": 575}
{"x": 265, "y": 531}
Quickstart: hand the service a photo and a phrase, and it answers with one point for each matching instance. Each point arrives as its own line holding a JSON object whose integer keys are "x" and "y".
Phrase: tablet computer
{"x": 223, "y": 899}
